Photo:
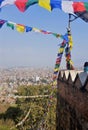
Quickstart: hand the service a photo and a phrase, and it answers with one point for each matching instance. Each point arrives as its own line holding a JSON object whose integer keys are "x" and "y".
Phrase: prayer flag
{"x": 6, "y": 2}
{"x": 61, "y": 50}
{"x": 20, "y": 28}
{"x": 22, "y": 5}
{"x": 55, "y": 4}
{"x": 28, "y": 28}
{"x": 10, "y": 24}
{"x": 67, "y": 6}
{"x": 45, "y": 4}
{"x": 56, "y": 69}
{"x": 78, "y": 7}
{"x": 45, "y": 32}
{"x": 86, "y": 5}
{"x": 36, "y": 30}
{"x": 2, "y": 23}
{"x": 31, "y": 2}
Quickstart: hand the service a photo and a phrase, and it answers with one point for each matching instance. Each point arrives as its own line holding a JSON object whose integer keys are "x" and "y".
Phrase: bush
{"x": 6, "y": 128}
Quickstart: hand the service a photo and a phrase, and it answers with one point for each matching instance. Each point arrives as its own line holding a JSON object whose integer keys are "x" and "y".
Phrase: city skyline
{"x": 34, "y": 49}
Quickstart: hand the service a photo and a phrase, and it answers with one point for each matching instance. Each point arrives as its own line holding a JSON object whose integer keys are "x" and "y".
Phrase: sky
{"x": 35, "y": 49}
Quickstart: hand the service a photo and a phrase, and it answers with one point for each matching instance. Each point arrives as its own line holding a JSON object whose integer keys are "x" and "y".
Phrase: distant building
{"x": 37, "y": 78}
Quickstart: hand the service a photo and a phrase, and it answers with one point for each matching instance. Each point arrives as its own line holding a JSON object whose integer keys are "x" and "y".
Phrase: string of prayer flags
{"x": 69, "y": 63}
{"x": 58, "y": 59}
{"x": 66, "y": 6}
{"x": 70, "y": 41}
{"x": 66, "y": 45}
{"x": 23, "y": 28}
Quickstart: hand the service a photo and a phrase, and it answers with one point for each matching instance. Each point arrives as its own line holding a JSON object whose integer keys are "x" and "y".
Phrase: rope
{"x": 23, "y": 120}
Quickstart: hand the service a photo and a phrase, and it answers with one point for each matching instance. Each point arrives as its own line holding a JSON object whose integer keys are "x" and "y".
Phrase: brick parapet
{"x": 72, "y": 95}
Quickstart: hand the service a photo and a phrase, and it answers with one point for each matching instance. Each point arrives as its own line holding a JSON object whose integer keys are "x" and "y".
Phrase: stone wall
{"x": 72, "y": 100}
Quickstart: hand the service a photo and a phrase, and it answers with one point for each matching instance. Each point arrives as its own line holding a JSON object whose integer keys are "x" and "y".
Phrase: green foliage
{"x": 42, "y": 113}
{"x": 42, "y": 110}
{"x": 6, "y": 128}
{"x": 6, "y": 125}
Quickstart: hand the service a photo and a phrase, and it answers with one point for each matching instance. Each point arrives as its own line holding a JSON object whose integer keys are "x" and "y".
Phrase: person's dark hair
{"x": 86, "y": 64}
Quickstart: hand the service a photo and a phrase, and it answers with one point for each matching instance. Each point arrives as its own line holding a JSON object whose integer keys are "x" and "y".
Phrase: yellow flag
{"x": 45, "y": 4}
{"x": 71, "y": 62}
{"x": 20, "y": 28}
{"x": 70, "y": 42}
{"x": 55, "y": 83}
{"x": 56, "y": 69}
{"x": 61, "y": 50}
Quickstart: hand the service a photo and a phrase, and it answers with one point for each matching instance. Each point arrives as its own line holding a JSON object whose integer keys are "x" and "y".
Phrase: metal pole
{"x": 69, "y": 21}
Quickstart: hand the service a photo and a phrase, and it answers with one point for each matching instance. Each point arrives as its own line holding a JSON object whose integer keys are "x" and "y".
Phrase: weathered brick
{"x": 72, "y": 103}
